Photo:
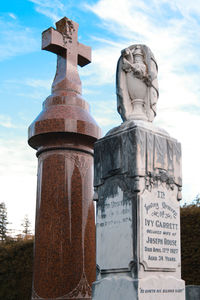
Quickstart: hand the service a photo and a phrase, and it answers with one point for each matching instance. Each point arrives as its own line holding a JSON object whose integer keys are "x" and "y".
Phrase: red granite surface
{"x": 63, "y": 135}
{"x": 65, "y": 231}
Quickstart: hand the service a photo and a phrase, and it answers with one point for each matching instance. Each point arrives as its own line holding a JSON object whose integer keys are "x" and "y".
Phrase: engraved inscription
{"x": 161, "y": 195}
{"x": 115, "y": 213}
{"x": 164, "y": 288}
{"x": 161, "y": 291}
{"x": 160, "y": 229}
{"x": 114, "y": 224}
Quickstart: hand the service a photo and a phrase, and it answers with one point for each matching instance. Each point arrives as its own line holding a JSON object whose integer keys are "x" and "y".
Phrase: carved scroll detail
{"x": 81, "y": 161}
{"x": 82, "y": 290}
{"x": 35, "y": 295}
{"x": 153, "y": 178}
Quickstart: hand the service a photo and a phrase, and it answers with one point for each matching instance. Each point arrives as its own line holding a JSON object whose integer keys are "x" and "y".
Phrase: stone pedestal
{"x": 138, "y": 188}
{"x": 192, "y": 292}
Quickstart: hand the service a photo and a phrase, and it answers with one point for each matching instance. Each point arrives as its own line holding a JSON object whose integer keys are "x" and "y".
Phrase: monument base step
{"x": 193, "y": 292}
{"x": 153, "y": 287}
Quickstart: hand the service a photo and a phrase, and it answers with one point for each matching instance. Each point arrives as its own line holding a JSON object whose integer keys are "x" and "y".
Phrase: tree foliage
{"x": 26, "y": 225}
{"x": 3, "y": 221}
{"x": 16, "y": 261}
{"x": 190, "y": 242}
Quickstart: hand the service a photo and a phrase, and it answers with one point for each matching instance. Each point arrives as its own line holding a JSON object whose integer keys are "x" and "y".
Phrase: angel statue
{"x": 137, "y": 84}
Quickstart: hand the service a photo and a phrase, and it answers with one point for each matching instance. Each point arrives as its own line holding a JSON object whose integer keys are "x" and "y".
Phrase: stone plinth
{"x": 63, "y": 135}
{"x": 138, "y": 187}
{"x": 192, "y": 292}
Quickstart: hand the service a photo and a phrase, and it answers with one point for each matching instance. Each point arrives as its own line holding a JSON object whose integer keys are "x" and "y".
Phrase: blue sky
{"x": 171, "y": 28}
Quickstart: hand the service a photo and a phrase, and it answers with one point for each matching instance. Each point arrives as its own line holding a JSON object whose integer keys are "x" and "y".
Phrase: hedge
{"x": 190, "y": 247}
{"x": 16, "y": 260}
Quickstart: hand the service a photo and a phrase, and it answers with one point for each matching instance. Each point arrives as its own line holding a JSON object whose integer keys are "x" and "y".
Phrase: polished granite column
{"x": 63, "y": 135}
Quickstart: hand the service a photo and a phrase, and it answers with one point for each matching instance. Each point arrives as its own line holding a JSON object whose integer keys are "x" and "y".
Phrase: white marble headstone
{"x": 160, "y": 229}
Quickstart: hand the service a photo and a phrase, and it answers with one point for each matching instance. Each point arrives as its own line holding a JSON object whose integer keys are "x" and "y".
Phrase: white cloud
{"x": 56, "y": 4}
{"x": 184, "y": 126}
{"x": 40, "y": 88}
{"x": 5, "y": 121}
{"x": 16, "y": 39}
{"x": 105, "y": 121}
{"x": 51, "y": 9}
{"x": 172, "y": 38}
{"x": 37, "y": 88}
{"x": 185, "y": 7}
{"x": 39, "y": 83}
{"x": 16, "y": 151}
{"x": 12, "y": 16}
{"x": 105, "y": 114}
{"x": 18, "y": 180}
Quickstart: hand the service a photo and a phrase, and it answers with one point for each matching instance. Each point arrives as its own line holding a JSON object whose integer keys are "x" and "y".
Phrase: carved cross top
{"x": 63, "y": 41}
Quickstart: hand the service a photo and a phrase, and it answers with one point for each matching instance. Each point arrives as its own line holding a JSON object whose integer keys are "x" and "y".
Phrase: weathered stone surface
{"x": 192, "y": 292}
{"x": 113, "y": 288}
{"x": 138, "y": 182}
{"x": 137, "y": 85}
{"x": 114, "y": 220}
{"x": 159, "y": 287}
{"x": 135, "y": 149}
{"x": 63, "y": 135}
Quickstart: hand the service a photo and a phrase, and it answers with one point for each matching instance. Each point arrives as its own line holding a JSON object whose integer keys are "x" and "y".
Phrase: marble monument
{"x": 137, "y": 84}
{"x": 138, "y": 181}
{"x": 63, "y": 135}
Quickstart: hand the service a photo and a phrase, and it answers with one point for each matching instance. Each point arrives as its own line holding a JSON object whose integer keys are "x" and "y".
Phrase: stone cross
{"x": 64, "y": 134}
{"x": 63, "y": 41}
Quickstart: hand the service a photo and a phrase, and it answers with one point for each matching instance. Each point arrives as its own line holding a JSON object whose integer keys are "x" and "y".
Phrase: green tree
{"x": 26, "y": 225}
{"x": 3, "y": 221}
{"x": 196, "y": 201}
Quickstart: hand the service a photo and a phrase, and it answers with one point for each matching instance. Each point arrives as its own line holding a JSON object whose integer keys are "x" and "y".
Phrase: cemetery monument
{"x": 63, "y": 135}
{"x": 138, "y": 180}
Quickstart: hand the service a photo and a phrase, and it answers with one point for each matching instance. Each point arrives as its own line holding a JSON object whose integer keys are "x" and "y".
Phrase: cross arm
{"x": 84, "y": 55}
{"x": 52, "y": 41}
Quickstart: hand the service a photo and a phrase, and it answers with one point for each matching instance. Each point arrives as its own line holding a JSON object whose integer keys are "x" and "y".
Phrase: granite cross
{"x": 63, "y": 41}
